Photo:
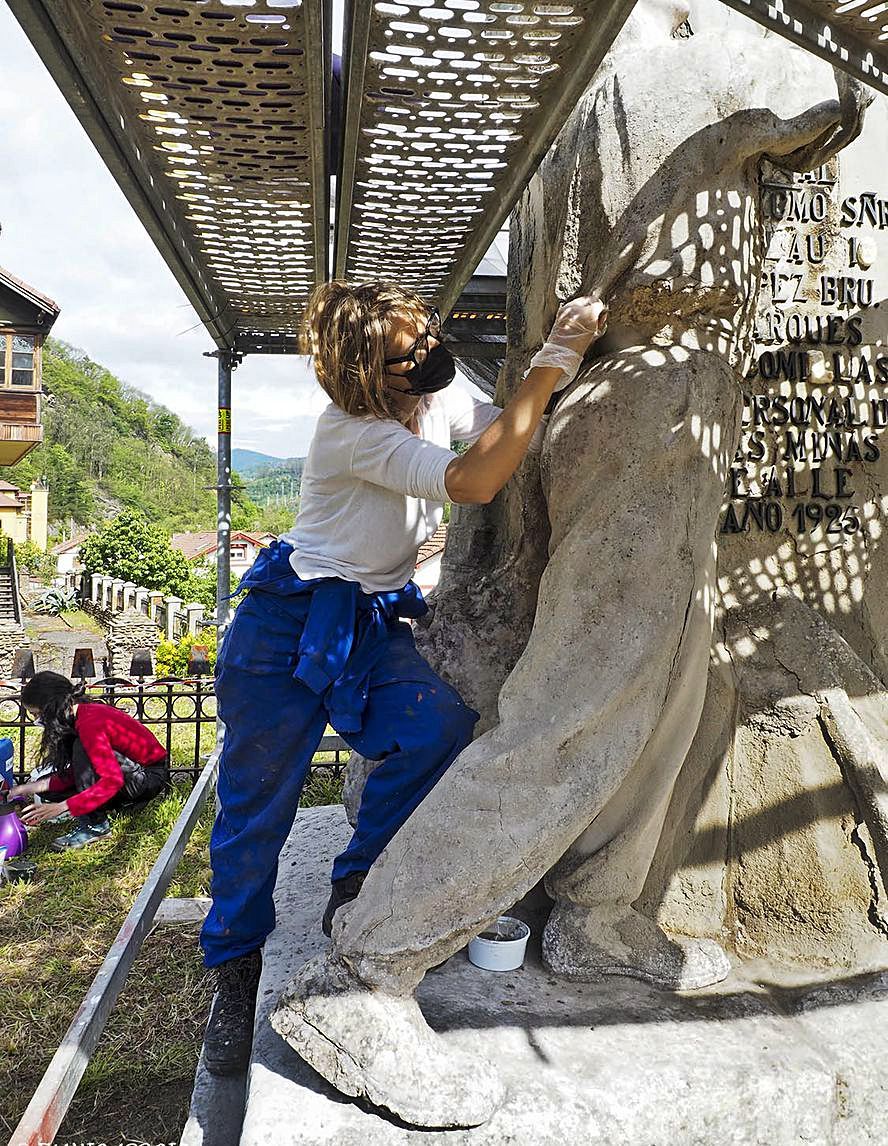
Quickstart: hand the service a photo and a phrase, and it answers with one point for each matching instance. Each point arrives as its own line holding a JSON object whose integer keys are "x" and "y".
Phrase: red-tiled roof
{"x": 7, "y": 485}
{"x": 433, "y": 546}
{"x": 65, "y": 546}
{"x": 194, "y": 544}
{"x": 10, "y": 501}
{"x": 198, "y": 544}
{"x": 27, "y": 292}
{"x": 261, "y": 539}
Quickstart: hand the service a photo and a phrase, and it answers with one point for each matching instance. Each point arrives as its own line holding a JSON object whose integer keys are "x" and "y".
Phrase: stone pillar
{"x": 142, "y": 601}
{"x": 155, "y": 604}
{"x": 173, "y": 604}
{"x": 107, "y": 583}
{"x": 95, "y": 590}
{"x": 116, "y": 595}
{"x": 193, "y": 615}
{"x": 37, "y": 529}
{"x": 129, "y": 594}
{"x": 128, "y": 631}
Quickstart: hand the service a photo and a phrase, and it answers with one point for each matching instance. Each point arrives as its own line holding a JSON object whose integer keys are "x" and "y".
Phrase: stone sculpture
{"x": 600, "y": 612}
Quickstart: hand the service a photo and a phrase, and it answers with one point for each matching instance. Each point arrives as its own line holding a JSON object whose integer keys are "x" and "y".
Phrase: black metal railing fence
{"x": 181, "y": 712}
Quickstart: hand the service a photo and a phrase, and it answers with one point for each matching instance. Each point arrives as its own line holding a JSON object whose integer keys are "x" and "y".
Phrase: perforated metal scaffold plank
{"x": 211, "y": 116}
{"x": 852, "y": 35}
{"x": 448, "y": 110}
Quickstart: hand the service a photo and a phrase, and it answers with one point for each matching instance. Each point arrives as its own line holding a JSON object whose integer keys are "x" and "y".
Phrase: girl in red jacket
{"x": 101, "y": 757}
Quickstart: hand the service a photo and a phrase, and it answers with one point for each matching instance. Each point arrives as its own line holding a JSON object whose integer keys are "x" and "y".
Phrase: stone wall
{"x": 128, "y": 633}
{"x": 12, "y": 638}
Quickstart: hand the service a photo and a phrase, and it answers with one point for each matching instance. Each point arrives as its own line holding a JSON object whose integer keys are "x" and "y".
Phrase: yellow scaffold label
{"x": 224, "y": 421}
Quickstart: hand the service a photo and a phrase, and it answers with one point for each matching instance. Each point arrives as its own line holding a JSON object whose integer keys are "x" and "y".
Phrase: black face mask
{"x": 436, "y": 372}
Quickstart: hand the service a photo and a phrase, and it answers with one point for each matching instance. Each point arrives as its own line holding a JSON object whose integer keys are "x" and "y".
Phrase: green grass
{"x": 38, "y": 623}
{"x": 54, "y": 934}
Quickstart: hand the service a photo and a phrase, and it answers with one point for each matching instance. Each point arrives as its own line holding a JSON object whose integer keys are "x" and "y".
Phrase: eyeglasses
{"x": 432, "y": 330}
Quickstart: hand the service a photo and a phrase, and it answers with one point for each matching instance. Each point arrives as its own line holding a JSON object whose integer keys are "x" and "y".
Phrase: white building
{"x": 200, "y": 548}
{"x": 67, "y": 554}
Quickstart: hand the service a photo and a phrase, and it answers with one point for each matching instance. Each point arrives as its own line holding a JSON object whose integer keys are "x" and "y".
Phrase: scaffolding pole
{"x": 227, "y": 362}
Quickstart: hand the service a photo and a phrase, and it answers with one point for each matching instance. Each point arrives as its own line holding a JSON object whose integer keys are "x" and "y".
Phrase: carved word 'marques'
{"x": 817, "y": 398}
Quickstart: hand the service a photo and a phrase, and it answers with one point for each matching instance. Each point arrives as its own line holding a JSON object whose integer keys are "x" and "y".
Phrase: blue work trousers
{"x": 413, "y": 722}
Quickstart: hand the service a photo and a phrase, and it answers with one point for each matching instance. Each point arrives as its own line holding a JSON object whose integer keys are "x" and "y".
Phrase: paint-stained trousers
{"x": 413, "y": 722}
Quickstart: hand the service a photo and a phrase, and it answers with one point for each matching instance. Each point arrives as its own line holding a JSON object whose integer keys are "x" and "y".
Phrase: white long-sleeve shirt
{"x": 372, "y": 492}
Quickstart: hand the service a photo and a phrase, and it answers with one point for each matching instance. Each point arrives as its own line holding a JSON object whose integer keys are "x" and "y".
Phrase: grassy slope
{"x": 54, "y": 934}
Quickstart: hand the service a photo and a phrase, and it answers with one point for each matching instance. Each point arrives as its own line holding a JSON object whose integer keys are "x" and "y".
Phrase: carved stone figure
{"x": 592, "y": 604}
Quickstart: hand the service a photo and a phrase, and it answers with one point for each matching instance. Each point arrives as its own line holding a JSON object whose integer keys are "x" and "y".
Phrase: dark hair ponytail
{"x": 53, "y": 695}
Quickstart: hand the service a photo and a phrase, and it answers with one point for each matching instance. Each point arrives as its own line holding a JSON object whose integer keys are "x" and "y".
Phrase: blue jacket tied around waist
{"x": 345, "y": 630}
{"x": 300, "y": 654}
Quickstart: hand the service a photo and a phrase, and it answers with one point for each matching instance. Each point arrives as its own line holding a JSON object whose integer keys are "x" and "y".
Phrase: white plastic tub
{"x": 501, "y": 947}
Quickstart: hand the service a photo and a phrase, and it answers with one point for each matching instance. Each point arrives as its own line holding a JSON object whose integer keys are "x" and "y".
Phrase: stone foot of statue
{"x": 378, "y": 1046}
{"x": 587, "y": 944}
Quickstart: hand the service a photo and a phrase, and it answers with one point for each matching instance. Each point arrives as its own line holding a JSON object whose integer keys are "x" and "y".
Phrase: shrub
{"x": 201, "y": 588}
{"x": 30, "y": 558}
{"x": 172, "y": 656}
{"x": 54, "y": 602}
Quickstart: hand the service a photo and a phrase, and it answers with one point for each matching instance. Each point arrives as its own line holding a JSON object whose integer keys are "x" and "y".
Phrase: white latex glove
{"x": 577, "y": 325}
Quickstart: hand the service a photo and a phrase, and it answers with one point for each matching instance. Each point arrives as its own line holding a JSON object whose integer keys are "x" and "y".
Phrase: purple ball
{"x": 13, "y": 833}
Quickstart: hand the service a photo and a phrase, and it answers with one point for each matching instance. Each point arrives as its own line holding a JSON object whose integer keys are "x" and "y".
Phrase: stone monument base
{"x": 766, "y": 1057}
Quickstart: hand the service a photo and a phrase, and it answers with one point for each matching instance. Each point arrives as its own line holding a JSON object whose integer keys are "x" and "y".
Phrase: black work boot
{"x": 344, "y": 891}
{"x": 229, "y": 1035}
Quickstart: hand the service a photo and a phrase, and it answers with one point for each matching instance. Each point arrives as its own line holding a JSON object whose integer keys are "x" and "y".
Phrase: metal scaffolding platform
{"x": 448, "y": 111}
{"x": 851, "y": 34}
{"x": 212, "y": 118}
{"x": 216, "y": 119}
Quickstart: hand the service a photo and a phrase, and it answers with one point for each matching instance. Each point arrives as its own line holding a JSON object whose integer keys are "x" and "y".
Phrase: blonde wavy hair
{"x": 344, "y": 328}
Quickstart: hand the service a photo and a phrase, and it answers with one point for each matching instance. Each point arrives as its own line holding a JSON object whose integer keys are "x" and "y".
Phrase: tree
{"x": 70, "y": 494}
{"x": 244, "y": 511}
{"x": 129, "y": 547}
{"x": 276, "y": 519}
{"x": 201, "y": 588}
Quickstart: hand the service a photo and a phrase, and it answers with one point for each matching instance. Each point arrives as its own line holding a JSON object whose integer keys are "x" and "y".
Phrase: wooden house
{"x": 26, "y": 318}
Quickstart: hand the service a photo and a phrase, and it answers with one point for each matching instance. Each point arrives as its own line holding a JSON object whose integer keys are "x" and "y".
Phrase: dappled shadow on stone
{"x": 599, "y": 1064}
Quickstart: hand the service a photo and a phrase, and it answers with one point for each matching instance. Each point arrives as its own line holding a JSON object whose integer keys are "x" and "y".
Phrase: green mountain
{"x": 107, "y": 446}
{"x": 250, "y": 462}
{"x": 272, "y": 483}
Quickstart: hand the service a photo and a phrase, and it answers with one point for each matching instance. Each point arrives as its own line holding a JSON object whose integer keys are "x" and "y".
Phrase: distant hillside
{"x": 249, "y": 462}
{"x": 276, "y": 484}
{"x": 107, "y": 446}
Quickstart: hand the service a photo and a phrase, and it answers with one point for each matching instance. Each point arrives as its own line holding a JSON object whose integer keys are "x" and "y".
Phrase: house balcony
{"x": 18, "y": 439}
{"x": 20, "y": 428}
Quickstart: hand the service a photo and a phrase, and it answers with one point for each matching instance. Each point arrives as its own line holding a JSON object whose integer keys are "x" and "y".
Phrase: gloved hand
{"x": 577, "y": 325}
{"x": 579, "y": 322}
